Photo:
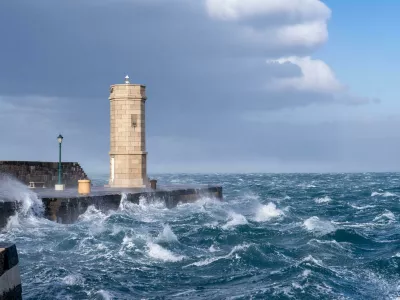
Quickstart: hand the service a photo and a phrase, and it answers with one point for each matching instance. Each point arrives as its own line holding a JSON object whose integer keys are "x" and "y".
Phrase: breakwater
{"x": 66, "y": 206}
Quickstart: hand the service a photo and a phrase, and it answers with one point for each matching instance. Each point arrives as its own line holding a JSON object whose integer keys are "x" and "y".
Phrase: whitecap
{"x": 306, "y": 273}
{"x": 232, "y": 253}
{"x": 385, "y": 194}
{"x": 106, "y": 295}
{"x": 160, "y": 253}
{"x": 212, "y": 249}
{"x": 318, "y": 226}
{"x": 127, "y": 244}
{"x": 267, "y": 212}
{"x": 325, "y": 199}
{"x": 92, "y": 214}
{"x": 387, "y": 215}
{"x": 362, "y": 207}
{"x": 167, "y": 235}
{"x": 235, "y": 220}
{"x": 73, "y": 279}
{"x": 313, "y": 260}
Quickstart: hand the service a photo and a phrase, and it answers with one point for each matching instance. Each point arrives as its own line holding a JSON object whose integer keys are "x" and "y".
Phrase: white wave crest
{"x": 362, "y": 207}
{"x": 212, "y": 249}
{"x": 267, "y": 212}
{"x": 127, "y": 244}
{"x": 73, "y": 280}
{"x": 314, "y": 224}
{"x": 210, "y": 260}
{"x": 325, "y": 199}
{"x": 160, "y": 253}
{"x": 385, "y": 194}
{"x": 167, "y": 235}
{"x": 386, "y": 216}
{"x": 92, "y": 214}
{"x": 235, "y": 220}
{"x": 311, "y": 259}
{"x": 105, "y": 295}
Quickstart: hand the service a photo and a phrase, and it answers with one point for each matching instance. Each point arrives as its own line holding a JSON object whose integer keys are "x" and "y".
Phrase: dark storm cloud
{"x": 201, "y": 75}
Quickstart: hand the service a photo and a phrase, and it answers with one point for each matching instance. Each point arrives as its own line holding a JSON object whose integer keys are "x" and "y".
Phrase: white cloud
{"x": 316, "y": 76}
{"x": 294, "y": 22}
{"x": 239, "y": 9}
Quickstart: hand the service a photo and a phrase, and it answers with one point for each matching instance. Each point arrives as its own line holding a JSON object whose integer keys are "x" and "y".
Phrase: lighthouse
{"x": 128, "y": 156}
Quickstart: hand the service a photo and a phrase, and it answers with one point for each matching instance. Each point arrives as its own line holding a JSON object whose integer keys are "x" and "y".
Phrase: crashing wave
{"x": 268, "y": 212}
{"x": 12, "y": 190}
{"x": 314, "y": 224}
{"x": 235, "y": 219}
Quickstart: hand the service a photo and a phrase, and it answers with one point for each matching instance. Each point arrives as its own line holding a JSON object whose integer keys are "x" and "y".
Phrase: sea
{"x": 274, "y": 236}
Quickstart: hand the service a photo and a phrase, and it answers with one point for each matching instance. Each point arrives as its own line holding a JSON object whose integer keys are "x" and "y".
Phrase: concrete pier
{"x": 66, "y": 206}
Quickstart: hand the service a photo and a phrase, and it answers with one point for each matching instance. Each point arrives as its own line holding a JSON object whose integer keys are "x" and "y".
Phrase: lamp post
{"x": 59, "y": 186}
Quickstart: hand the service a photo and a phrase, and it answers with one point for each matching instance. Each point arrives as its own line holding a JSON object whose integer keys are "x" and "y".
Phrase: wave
{"x": 235, "y": 220}
{"x": 320, "y": 227}
{"x": 211, "y": 260}
{"x": 325, "y": 199}
{"x": 362, "y": 207}
{"x": 267, "y": 212}
{"x": 105, "y": 295}
{"x": 387, "y": 216}
{"x": 384, "y": 194}
{"x": 12, "y": 190}
{"x": 74, "y": 279}
{"x": 167, "y": 235}
{"x": 158, "y": 252}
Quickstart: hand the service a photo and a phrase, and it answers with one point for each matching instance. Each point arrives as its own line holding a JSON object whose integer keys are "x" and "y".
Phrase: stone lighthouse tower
{"x": 128, "y": 164}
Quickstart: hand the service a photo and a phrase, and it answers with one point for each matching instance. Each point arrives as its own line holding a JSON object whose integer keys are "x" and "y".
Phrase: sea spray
{"x": 12, "y": 190}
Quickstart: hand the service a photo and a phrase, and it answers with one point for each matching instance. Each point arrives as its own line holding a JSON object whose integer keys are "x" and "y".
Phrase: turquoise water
{"x": 288, "y": 236}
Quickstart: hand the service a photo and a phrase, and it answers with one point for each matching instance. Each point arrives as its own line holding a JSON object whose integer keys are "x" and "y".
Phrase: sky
{"x": 233, "y": 86}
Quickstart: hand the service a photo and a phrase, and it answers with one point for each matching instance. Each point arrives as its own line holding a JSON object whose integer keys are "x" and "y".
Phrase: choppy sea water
{"x": 288, "y": 236}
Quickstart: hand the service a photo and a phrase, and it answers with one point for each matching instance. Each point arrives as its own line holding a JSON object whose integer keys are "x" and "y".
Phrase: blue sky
{"x": 233, "y": 86}
{"x": 364, "y": 50}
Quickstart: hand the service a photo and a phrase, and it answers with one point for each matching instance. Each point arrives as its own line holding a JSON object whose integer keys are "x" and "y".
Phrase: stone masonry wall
{"x": 47, "y": 172}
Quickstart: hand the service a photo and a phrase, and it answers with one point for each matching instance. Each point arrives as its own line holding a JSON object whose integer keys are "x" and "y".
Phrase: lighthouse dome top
{"x": 127, "y": 79}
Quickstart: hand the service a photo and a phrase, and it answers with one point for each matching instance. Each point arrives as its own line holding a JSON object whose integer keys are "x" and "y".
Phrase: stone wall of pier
{"x": 44, "y": 173}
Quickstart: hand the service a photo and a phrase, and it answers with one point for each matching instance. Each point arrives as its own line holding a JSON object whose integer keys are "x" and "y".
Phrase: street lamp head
{"x": 60, "y": 139}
